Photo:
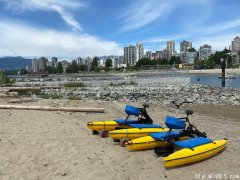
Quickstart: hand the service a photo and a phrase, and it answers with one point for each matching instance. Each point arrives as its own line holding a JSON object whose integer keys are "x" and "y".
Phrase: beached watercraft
{"x": 137, "y": 130}
{"x": 159, "y": 138}
{"x": 124, "y": 136}
{"x": 105, "y": 126}
{"x": 195, "y": 149}
{"x": 198, "y": 147}
{"x": 148, "y": 142}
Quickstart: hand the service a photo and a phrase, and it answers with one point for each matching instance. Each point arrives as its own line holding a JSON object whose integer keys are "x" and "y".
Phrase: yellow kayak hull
{"x": 134, "y": 133}
{"x": 147, "y": 142}
{"x": 199, "y": 153}
{"x": 106, "y": 125}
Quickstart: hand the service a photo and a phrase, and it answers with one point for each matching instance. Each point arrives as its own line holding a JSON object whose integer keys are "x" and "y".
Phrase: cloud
{"x": 62, "y": 7}
{"x": 142, "y": 12}
{"x": 218, "y": 35}
{"x": 30, "y": 41}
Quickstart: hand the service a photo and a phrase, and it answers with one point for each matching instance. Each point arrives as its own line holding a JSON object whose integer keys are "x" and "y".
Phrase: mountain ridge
{"x": 14, "y": 63}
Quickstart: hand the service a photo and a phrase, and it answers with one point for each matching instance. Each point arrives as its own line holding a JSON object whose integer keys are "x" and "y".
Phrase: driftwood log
{"x": 20, "y": 89}
{"x": 47, "y": 108}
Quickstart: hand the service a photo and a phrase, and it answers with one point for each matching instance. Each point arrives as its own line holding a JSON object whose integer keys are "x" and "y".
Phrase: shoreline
{"x": 215, "y": 71}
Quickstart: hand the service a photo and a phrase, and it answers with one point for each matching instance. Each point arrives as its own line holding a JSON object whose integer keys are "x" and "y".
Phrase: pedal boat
{"x": 194, "y": 150}
{"x": 105, "y": 126}
{"x": 137, "y": 131}
{"x": 160, "y": 139}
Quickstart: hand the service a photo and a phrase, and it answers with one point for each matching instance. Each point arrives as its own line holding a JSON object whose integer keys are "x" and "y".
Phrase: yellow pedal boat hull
{"x": 147, "y": 142}
{"x": 199, "y": 153}
{"x": 134, "y": 133}
{"x": 106, "y": 125}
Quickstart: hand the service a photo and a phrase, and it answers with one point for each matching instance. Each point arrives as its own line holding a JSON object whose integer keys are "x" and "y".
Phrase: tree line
{"x": 212, "y": 62}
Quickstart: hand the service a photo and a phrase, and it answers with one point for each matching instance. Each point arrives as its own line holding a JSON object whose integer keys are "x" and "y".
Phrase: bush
{"x": 5, "y": 80}
{"x": 236, "y": 66}
{"x": 74, "y": 98}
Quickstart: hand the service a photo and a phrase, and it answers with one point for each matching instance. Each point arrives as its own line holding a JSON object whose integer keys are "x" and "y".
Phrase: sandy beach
{"x": 58, "y": 145}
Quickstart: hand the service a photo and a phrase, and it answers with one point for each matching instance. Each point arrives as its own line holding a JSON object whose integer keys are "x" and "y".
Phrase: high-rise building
{"x": 38, "y": 65}
{"x": 184, "y": 46}
{"x": 204, "y": 52}
{"x": 139, "y": 51}
{"x": 54, "y": 61}
{"x": 133, "y": 53}
{"x": 236, "y": 44}
{"x": 149, "y": 55}
{"x": 80, "y": 60}
{"x": 171, "y": 47}
{"x": 120, "y": 59}
{"x": 164, "y": 54}
{"x": 35, "y": 65}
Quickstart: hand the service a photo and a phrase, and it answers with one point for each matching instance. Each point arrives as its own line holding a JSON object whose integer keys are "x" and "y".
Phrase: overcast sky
{"x": 80, "y": 28}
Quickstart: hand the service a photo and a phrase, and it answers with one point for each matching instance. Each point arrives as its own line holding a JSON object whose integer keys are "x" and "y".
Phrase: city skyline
{"x": 80, "y": 28}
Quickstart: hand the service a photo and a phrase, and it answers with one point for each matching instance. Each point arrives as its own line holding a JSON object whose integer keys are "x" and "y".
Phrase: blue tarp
{"x": 193, "y": 142}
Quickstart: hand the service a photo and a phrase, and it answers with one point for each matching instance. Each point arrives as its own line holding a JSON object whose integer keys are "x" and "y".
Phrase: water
{"x": 213, "y": 80}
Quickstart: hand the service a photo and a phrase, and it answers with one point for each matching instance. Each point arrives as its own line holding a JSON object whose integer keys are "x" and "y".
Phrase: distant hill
{"x": 14, "y": 63}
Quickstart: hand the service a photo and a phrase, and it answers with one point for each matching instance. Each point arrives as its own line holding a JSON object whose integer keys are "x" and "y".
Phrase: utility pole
{"x": 223, "y": 66}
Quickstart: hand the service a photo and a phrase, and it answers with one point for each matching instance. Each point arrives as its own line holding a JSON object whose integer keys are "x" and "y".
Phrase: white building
{"x": 188, "y": 57}
{"x": 149, "y": 55}
{"x": 38, "y": 65}
{"x": 133, "y": 53}
{"x": 204, "y": 52}
{"x": 139, "y": 51}
{"x": 236, "y": 44}
{"x": 171, "y": 47}
{"x": 184, "y": 46}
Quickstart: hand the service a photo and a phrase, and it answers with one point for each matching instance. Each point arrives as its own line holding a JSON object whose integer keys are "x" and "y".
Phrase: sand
{"x": 58, "y": 145}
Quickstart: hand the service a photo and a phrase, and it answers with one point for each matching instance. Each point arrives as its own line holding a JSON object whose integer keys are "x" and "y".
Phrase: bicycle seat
{"x": 146, "y": 105}
{"x": 188, "y": 112}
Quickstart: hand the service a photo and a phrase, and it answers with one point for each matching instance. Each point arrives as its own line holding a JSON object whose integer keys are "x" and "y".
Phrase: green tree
{"x": 163, "y": 61}
{"x": 210, "y": 64}
{"x": 59, "y": 68}
{"x": 72, "y": 68}
{"x": 108, "y": 63}
{"x": 5, "y": 80}
{"x": 51, "y": 70}
{"x": 94, "y": 65}
{"x": 218, "y": 55}
{"x": 23, "y": 71}
{"x": 225, "y": 51}
{"x": 146, "y": 61}
{"x": 175, "y": 59}
{"x": 82, "y": 67}
{"x": 192, "y": 49}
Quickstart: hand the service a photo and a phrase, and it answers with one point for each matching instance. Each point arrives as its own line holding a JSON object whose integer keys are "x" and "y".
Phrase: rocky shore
{"x": 152, "y": 87}
{"x": 197, "y": 94}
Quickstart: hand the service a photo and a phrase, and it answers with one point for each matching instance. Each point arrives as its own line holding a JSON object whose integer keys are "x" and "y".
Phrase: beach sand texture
{"x": 58, "y": 145}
